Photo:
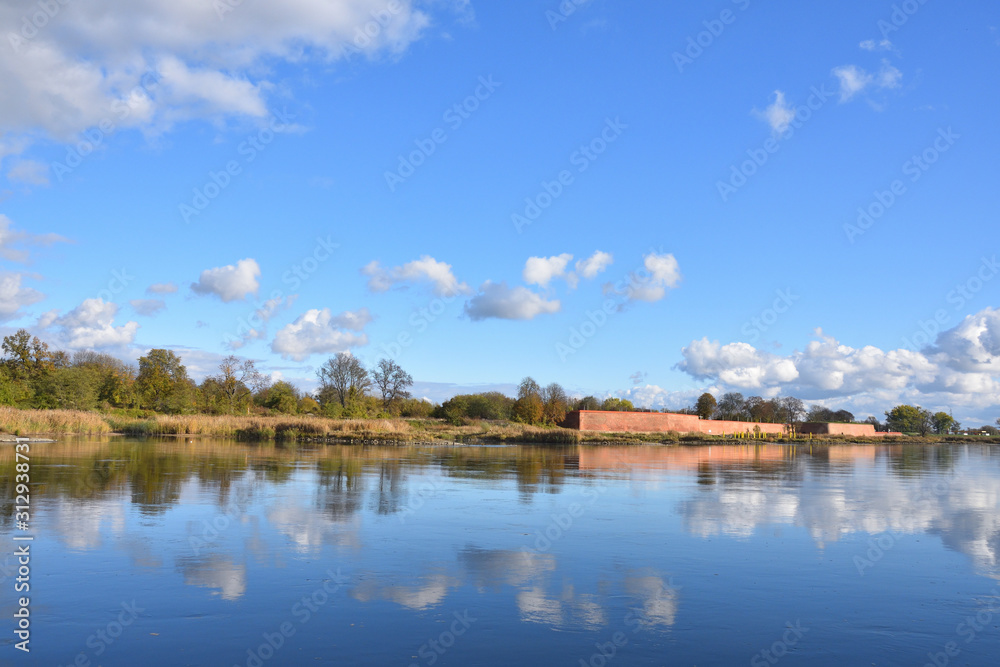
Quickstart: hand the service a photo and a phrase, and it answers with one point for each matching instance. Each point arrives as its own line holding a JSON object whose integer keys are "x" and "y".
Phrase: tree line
{"x": 34, "y": 376}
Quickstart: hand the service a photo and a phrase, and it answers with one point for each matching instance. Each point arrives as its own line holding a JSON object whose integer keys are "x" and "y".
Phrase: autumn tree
{"x": 705, "y": 407}
{"x": 343, "y": 378}
{"x": 237, "y": 382}
{"x": 392, "y": 381}
{"x": 162, "y": 382}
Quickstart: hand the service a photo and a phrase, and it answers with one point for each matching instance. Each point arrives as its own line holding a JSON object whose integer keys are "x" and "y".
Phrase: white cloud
{"x": 321, "y": 332}
{"x": 889, "y": 76}
{"x": 147, "y": 307}
{"x": 541, "y": 270}
{"x": 162, "y": 288}
{"x": 230, "y": 283}
{"x": 872, "y": 45}
{"x": 206, "y": 63}
{"x": 425, "y": 269}
{"x": 595, "y": 264}
{"x": 31, "y": 172}
{"x": 854, "y": 80}
{"x": 961, "y": 368}
{"x": 662, "y": 272}
{"x": 12, "y": 240}
{"x": 91, "y": 325}
{"x": 779, "y": 115}
{"x": 258, "y": 321}
{"x": 496, "y": 300}
{"x": 13, "y": 296}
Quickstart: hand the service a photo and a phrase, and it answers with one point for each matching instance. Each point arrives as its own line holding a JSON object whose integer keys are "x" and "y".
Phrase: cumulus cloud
{"x": 662, "y": 272}
{"x": 90, "y": 325}
{"x": 14, "y": 243}
{"x": 589, "y": 268}
{"x": 496, "y": 300}
{"x": 854, "y": 80}
{"x": 162, "y": 288}
{"x": 779, "y": 115}
{"x": 147, "y": 307}
{"x": 425, "y": 269}
{"x": 541, "y": 270}
{"x": 229, "y": 283}
{"x": 962, "y": 367}
{"x": 197, "y": 59}
{"x": 14, "y": 297}
{"x": 322, "y": 332}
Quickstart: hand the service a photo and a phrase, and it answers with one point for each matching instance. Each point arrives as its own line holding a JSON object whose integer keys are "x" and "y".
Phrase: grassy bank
{"x": 281, "y": 428}
{"x": 293, "y": 428}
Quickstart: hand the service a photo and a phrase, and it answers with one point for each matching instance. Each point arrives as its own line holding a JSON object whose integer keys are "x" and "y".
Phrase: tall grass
{"x": 23, "y": 422}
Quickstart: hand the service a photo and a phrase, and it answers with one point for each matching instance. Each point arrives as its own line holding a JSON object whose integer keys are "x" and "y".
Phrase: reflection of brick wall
{"x": 660, "y": 422}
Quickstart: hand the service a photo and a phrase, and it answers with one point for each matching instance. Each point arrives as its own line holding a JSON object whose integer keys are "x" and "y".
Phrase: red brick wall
{"x": 658, "y": 422}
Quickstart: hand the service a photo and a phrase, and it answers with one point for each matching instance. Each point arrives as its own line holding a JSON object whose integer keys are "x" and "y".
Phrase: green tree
{"x": 282, "y": 397}
{"x": 25, "y": 356}
{"x": 613, "y": 404}
{"x": 162, "y": 383}
{"x": 942, "y": 423}
{"x": 706, "y": 405}
{"x": 587, "y": 403}
{"x": 909, "y": 419}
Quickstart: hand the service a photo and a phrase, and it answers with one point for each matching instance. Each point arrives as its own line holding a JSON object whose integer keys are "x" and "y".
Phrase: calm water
{"x": 214, "y": 553}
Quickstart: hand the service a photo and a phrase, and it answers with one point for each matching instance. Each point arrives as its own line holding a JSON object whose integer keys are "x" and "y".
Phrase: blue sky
{"x": 713, "y": 157}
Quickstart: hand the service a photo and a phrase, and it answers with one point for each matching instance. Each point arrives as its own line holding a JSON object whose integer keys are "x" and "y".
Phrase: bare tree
{"x": 392, "y": 381}
{"x": 345, "y": 376}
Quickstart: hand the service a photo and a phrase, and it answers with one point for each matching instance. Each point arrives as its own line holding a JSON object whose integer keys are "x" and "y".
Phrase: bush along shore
{"x": 23, "y": 423}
